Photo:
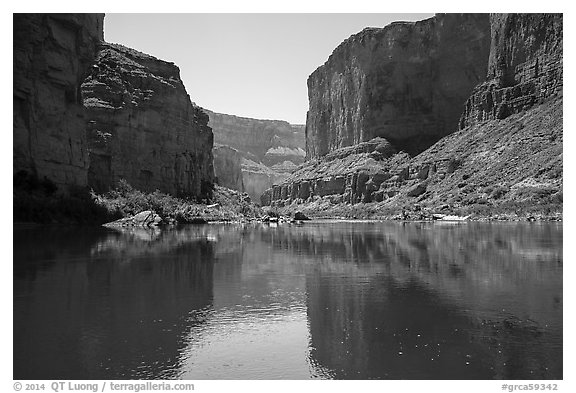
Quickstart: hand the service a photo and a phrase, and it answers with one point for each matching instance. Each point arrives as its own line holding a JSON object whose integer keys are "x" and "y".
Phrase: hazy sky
{"x": 252, "y": 65}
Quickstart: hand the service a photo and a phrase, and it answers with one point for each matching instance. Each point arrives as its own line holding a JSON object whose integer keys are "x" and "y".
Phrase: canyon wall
{"x": 509, "y": 158}
{"x": 258, "y": 178}
{"x": 525, "y": 67}
{"x": 267, "y": 141}
{"x": 228, "y": 167}
{"x": 142, "y": 126}
{"x": 407, "y": 82}
{"x": 270, "y": 150}
{"x": 52, "y": 55}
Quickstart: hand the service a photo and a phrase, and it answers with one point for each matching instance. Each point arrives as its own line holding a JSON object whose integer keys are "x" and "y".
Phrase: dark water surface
{"x": 322, "y": 300}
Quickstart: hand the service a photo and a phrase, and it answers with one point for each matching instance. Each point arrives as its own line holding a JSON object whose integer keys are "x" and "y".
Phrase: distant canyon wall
{"x": 270, "y": 149}
{"x": 228, "y": 168}
{"x": 407, "y": 82}
{"x": 52, "y": 55}
{"x": 142, "y": 126}
{"x": 525, "y": 67}
{"x": 267, "y": 141}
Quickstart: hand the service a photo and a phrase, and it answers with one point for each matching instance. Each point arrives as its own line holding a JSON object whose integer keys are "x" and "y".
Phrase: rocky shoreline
{"x": 285, "y": 216}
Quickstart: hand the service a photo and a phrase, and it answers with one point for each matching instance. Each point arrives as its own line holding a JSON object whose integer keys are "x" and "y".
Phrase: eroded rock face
{"x": 52, "y": 54}
{"x": 407, "y": 82}
{"x": 512, "y": 161}
{"x": 524, "y": 70}
{"x": 365, "y": 172}
{"x": 267, "y": 141}
{"x": 271, "y": 149}
{"x": 228, "y": 168}
{"x": 142, "y": 126}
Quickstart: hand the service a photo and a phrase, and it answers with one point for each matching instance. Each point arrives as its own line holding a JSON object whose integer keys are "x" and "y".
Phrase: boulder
{"x": 417, "y": 190}
{"x": 300, "y": 216}
{"x": 145, "y": 218}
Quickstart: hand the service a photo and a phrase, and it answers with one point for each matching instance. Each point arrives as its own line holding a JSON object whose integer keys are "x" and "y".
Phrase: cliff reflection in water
{"x": 322, "y": 300}
{"x": 93, "y": 304}
{"x": 424, "y": 301}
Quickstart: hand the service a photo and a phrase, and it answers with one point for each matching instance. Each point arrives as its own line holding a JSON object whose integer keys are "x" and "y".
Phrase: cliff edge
{"x": 142, "y": 126}
{"x": 406, "y": 82}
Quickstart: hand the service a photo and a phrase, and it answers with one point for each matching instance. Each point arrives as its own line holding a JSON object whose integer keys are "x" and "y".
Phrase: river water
{"x": 329, "y": 300}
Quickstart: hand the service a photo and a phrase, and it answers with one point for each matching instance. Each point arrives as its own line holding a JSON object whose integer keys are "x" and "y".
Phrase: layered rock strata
{"x": 511, "y": 162}
{"x": 142, "y": 126}
{"x": 267, "y": 141}
{"x": 525, "y": 67}
{"x": 406, "y": 82}
{"x": 52, "y": 54}
{"x": 517, "y": 160}
{"x": 270, "y": 149}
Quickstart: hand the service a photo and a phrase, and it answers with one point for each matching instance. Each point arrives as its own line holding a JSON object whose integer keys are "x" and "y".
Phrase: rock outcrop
{"x": 145, "y": 219}
{"x": 52, "y": 54}
{"x": 525, "y": 67}
{"x": 142, "y": 126}
{"x": 407, "y": 82}
{"x": 228, "y": 167}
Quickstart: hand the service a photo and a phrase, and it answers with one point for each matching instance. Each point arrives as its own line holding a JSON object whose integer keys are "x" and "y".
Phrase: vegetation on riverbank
{"x": 38, "y": 201}
{"x": 225, "y": 205}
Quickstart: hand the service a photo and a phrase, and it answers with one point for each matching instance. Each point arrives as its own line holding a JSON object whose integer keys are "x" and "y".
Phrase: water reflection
{"x": 423, "y": 301}
{"x": 112, "y": 305}
{"x": 339, "y": 300}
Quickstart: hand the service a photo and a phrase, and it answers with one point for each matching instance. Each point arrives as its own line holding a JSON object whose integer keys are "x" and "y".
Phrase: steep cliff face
{"x": 270, "y": 149}
{"x": 406, "y": 82}
{"x": 52, "y": 54}
{"x": 267, "y": 141}
{"x": 509, "y": 164}
{"x": 228, "y": 167}
{"x": 142, "y": 126}
{"x": 525, "y": 67}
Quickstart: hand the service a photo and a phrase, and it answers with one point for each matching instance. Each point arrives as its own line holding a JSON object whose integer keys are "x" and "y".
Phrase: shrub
{"x": 499, "y": 191}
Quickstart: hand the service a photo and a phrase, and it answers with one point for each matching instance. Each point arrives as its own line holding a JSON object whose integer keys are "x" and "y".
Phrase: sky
{"x": 250, "y": 65}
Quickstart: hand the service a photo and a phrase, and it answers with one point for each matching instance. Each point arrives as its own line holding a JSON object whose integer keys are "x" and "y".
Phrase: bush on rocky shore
{"x": 225, "y": 205}
{"x": 38, "y": 201}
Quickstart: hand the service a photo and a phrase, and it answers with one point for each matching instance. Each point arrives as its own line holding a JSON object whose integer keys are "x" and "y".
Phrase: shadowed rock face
{"x": 142, "y": 126}
{"x": 227, "y": 167}
{"x": 406, "y": 82}
{"x": 52, "y": 54}
{"x": 525, "y": 67}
